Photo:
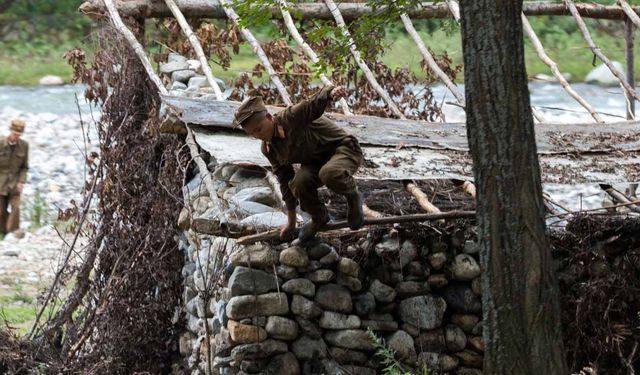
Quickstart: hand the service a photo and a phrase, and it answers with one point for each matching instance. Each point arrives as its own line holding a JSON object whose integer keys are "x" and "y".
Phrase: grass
{"x": 25, "y": 63}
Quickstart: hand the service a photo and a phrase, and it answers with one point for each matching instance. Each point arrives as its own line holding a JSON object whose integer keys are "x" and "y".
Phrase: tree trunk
{"x": 520, "y": 295}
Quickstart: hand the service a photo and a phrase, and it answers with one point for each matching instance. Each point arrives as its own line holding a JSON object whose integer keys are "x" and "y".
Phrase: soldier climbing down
{"x": 327, "y": 155}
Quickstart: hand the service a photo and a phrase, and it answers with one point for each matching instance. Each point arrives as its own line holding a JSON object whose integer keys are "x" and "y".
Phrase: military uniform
{"x": 14, "y": 163}
{"x": 326, "y": 153}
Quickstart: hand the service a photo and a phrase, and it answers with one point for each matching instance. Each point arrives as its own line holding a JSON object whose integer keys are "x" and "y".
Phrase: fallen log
{"x": 274, "y": 235}
{"x": 350, "y": 11}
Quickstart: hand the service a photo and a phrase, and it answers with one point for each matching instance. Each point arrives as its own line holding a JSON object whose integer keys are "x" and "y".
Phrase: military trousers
{"x": 9, "y": 213}
{"x": 337, "y": 174}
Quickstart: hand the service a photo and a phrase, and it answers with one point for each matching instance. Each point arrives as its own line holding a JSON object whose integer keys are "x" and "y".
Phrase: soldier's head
{"x": 255, "y": 120}
{"x": 16, "y": 129}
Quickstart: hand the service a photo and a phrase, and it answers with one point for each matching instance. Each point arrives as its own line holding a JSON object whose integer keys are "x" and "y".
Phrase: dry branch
{"x": 626, "y": 8}
{"x": 275, "y": 234}
{"x": 431, "y": 62}
{"x": 350, "y": 11}
{"x": 596, "y": 50}
{"x": 361, "y": 63}
{"x": 257, "y": 49}
{"x": 137, "y": 47}
{"x": 307, "y": 49}
{"x": 195, "y": 43}
{"x": 618, "y": 197}
{"x": 554, "y": 69}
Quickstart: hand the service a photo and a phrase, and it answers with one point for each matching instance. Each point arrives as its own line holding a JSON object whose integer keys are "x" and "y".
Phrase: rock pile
{"x": 289, "y": 309}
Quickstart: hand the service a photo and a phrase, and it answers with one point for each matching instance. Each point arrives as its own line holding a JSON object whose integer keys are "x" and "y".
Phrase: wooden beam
{"x": 274, "y": 235}
{"x": 618, "y": 197}
{"x": 370, "y": 130}
{"x": 350, "y": 11}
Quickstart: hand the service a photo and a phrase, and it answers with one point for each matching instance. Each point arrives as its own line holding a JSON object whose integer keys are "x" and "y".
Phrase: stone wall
{"x": 289, "y": 309}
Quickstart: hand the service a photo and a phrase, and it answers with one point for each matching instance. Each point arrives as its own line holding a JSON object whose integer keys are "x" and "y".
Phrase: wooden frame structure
{"x": 580, "y": 153}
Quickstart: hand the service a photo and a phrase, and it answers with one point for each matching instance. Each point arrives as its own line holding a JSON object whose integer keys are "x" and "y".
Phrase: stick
{"x": 597, "y": 52}
{"x": 431, "y": 62}
{"x": 596, "y": 209}
{"x": 257, "y": 49}
{"x": 618, "y": 197}
{"x": 275, "y": 234}
{"x": 204, "y": 171}
{"x": 369, "y": 213}
{"x": 422, "y": 198}
{"x": 554, "y": 69}
{"x": 335, "y": 11}
{"x": 307, "y": 49}
{"x": 195, "y": 43}
{"x": 137, "y": 47}
{"x": 626, "y": 8}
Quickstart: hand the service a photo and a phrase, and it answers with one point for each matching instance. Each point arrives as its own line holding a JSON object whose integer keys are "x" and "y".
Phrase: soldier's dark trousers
{"x": 9, "y": 221}
{"x": 336, "y": 174}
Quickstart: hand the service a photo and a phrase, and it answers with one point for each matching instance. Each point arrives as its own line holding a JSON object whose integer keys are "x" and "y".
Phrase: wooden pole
{"x": 431, "y": 62}
{"x": 629, "y": 41}
{"x": 361, "y": 63}
{"x": 629, "y": 12}
{"x": 307, "y": 49}
{"x": 537, "y": 45}
{"x": 349, "y": 11}
{"x": 421, "y": 197}
{"x": 274, "y": 235}
{"x": 137, "y": 47}
{"x": 257, "y": 49}
{"x": 195, "y": 43}
{"x": 596, "y": 50}
{"x": 618, "y": 197}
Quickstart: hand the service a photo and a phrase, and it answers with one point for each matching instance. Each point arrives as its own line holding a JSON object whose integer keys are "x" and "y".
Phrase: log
{"x": 350, "y": 11}
{"x": 596, "y": 50}
{"x": 335, "y": 11}
{"x": 537, "y": 45}
{"x": 274, "y": 235}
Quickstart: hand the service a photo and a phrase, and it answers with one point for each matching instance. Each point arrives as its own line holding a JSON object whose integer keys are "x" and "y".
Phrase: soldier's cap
{"x": 247, "y": 109}
{"x": 17, "y": 125}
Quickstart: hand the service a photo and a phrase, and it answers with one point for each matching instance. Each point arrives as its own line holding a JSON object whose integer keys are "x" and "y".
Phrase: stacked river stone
{"x": 289, "y": 309}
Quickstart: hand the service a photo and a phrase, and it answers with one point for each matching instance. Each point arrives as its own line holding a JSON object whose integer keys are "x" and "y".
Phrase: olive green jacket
{"x": 309, "y": 139}
{"x": 14, "y": 163}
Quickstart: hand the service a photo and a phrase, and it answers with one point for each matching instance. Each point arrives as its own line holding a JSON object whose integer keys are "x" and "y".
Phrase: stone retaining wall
{"x": 289, "y": 309}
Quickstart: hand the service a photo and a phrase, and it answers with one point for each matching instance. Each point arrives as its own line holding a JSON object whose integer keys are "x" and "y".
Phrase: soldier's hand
{"x": 287, "y": 232}
{"x": 338, "y": 93}
{"x": 19, "y": 187}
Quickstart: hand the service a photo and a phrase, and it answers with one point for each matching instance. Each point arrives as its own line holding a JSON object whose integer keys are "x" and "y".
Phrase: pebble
{"x": 300, "y": 286}
{"x": 281, "y": 328}
{"x": 425, "y": 312}
{"x": 334, "y": 297}
{"x": 294, "y": 257}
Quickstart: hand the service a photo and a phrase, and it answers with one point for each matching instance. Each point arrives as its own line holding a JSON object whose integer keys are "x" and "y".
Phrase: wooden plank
{"x": 376, "y": 131}
{"x": 385, "y": 163}
{"x": 350, "y": 11}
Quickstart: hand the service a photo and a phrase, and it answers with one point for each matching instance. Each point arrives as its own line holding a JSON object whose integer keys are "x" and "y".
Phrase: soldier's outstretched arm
{"x": 312, "y": 108}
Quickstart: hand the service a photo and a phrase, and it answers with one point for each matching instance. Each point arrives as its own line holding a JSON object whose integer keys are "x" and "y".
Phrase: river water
{"x": 58, "y": 163}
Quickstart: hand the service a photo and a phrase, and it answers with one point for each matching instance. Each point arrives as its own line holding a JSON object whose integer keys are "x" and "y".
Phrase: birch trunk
{"x": 556, "y": 72}
{"x": 195, "y": 43}
{"x": 257, "y": 49}
{"x": 363, "y": 66}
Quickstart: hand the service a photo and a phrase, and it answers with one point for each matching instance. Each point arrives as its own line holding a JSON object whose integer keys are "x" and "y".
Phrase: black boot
{"x": 309, "y": 230}
{"x": 355, "y": 216}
